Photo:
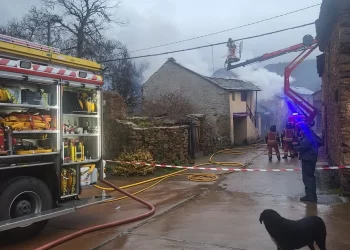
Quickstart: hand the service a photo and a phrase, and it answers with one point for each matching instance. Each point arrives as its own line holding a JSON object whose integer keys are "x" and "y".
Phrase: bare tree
{"x": 123, "y": 76}
{"x": 14, "y": 28}
{"x": 77, "y": 27}
{"x": 36, "y": 26}
{"x": 173, "y": 105}
{"x": 83, "y": 21}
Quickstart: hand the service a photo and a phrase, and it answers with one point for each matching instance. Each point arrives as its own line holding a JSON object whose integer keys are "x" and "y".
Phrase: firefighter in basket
{"x": 272, "y": 140}
{"x": 232, "y": 57}
{"x": 288, "y": 137}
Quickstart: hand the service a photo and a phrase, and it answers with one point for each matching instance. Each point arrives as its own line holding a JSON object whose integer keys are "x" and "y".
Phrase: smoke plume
{"x": 269, "y": 82}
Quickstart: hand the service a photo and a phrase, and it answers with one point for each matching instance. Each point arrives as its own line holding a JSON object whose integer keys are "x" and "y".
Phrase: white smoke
{"x": 269, "y": 82}
{"x": 146, "y": 30}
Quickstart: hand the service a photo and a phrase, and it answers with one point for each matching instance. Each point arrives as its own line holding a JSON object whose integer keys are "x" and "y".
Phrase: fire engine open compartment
{"x": 29, "y": 113}
{"x": 50, "y": 135}
{"x": 81, "y": 138}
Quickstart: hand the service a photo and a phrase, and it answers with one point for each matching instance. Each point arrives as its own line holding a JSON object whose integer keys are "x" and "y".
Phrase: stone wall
{"x": 114, "y": 106}
{"x": 210, "y": 143}
{"x": 166, "y": 144}
{"x": 205, "y": 97}
{"x": 333, "y": 34}
{"x": 336, "y": 92}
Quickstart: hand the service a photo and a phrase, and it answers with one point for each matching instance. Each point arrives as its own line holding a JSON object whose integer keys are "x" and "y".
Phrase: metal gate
{"x": 193, "y": 139}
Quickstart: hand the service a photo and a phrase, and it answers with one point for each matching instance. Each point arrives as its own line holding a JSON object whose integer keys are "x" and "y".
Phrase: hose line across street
{"x": 197, "y": 177}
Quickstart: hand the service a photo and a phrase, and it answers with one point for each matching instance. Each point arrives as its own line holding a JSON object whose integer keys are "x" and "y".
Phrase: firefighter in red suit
{"x": 272, "y": 140}
{"x": 288, "y": 137}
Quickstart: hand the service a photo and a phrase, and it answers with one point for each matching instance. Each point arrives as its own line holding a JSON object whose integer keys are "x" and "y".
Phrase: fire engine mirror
{"x": 82, "y": 74}
{"x": 25, "y": 64}
{"x": 308, "y": 40}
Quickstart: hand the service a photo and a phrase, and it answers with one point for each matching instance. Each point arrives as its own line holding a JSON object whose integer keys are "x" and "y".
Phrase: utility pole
{"x": 49, "y": 32}
{"x": 212, "y": 57}
{"x": 52, "y": 19}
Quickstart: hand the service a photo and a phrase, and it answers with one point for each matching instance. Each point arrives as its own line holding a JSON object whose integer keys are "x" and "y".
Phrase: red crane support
{"x": 297, "y": 98}
{"x": 307, "y": 47}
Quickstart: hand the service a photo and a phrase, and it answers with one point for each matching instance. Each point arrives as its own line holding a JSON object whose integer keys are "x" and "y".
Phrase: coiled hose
{"x": 199, "y": 177}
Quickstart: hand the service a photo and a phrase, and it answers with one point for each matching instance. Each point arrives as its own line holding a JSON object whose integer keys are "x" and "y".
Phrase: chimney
{"x": 171, "y": 59}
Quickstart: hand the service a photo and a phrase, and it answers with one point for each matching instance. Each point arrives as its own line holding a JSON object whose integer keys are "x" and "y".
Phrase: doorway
{"x": 240, "y": 130}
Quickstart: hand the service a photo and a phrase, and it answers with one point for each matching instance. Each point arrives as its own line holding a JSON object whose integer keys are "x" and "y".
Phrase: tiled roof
{"x": 234, "y": 84}
{"x": 227, "y": 84}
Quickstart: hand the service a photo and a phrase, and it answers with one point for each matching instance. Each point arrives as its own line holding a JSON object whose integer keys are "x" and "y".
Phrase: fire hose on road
{"x": 198, "y": 177}
{"x": 106, "y": 225}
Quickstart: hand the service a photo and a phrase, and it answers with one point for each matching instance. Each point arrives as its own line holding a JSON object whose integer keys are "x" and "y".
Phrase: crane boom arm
{"x": 298, "y": 99}
{"x": 267, "y": 56}
{"x": 307, "y": 47}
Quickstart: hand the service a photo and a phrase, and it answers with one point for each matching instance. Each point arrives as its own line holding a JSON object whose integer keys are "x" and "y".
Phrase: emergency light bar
{"x": 30, "y": 50}
{"x": 22, "y": 68}
{"x": 28, "y": 44}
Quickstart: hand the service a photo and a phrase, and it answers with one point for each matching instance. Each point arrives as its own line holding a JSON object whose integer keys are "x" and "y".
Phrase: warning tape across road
{"x": 233, "y": 169}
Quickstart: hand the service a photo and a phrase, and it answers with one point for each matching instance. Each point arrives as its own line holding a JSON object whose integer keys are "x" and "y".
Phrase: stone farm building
{"x": 228, "y": 104}
{"x": 333, "y": 36}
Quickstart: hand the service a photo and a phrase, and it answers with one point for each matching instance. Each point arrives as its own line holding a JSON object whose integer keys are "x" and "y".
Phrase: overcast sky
{"x": 154, "y": 22}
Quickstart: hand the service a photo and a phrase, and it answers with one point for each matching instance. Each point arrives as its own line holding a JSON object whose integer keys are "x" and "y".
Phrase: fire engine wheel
{"x": 19, "y": 197}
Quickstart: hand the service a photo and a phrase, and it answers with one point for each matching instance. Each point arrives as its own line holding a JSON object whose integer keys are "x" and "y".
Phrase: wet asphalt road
{"x": 190, "y": 215}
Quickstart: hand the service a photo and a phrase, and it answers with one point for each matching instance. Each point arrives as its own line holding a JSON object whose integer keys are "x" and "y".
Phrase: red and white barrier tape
{"x": 233, "y": 169}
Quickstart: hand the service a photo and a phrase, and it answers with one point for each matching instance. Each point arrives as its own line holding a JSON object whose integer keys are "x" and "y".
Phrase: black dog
{"x": 289, "y": 234}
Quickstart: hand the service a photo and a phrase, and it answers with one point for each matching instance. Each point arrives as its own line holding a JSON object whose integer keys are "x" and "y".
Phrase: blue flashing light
{"x": 295, "y": 114}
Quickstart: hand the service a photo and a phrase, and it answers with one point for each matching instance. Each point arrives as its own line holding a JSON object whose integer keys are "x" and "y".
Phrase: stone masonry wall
{"x": 336, "y": 90}
{"x": 330, "y": 90}
{"x": 336, "y": 95}
{"x": 205, "y": 97}
{"x": 212, "y": 144}
{"x": 166, "y": 144}
{"x": 114, "y": 105}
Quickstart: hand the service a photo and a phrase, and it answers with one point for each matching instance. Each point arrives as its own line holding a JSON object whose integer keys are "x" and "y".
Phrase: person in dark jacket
{"x": 308, "y": 153}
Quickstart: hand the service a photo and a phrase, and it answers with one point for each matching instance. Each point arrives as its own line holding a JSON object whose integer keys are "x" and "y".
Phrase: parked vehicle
{"x": 50, "y": 135}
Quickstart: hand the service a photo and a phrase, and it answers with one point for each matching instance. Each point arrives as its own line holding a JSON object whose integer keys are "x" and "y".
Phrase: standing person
{"x": 272, "y": 140}
{"x": 308, "y": 153}
{"x": 287, "y": 141}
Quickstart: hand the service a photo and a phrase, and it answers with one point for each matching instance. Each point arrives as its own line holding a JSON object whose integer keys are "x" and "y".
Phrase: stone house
{"x": 228, "y": 104}
{"x": 333, "y": 28}
{"x": 317, "y": 102}
{"x": 333, "y": 36}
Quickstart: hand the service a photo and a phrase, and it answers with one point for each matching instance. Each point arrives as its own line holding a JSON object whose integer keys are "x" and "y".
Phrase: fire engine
{"x": 50, "y": 135}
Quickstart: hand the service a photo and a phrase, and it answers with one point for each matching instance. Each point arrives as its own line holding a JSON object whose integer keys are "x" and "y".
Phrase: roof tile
{"x": 234, "y": 84}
